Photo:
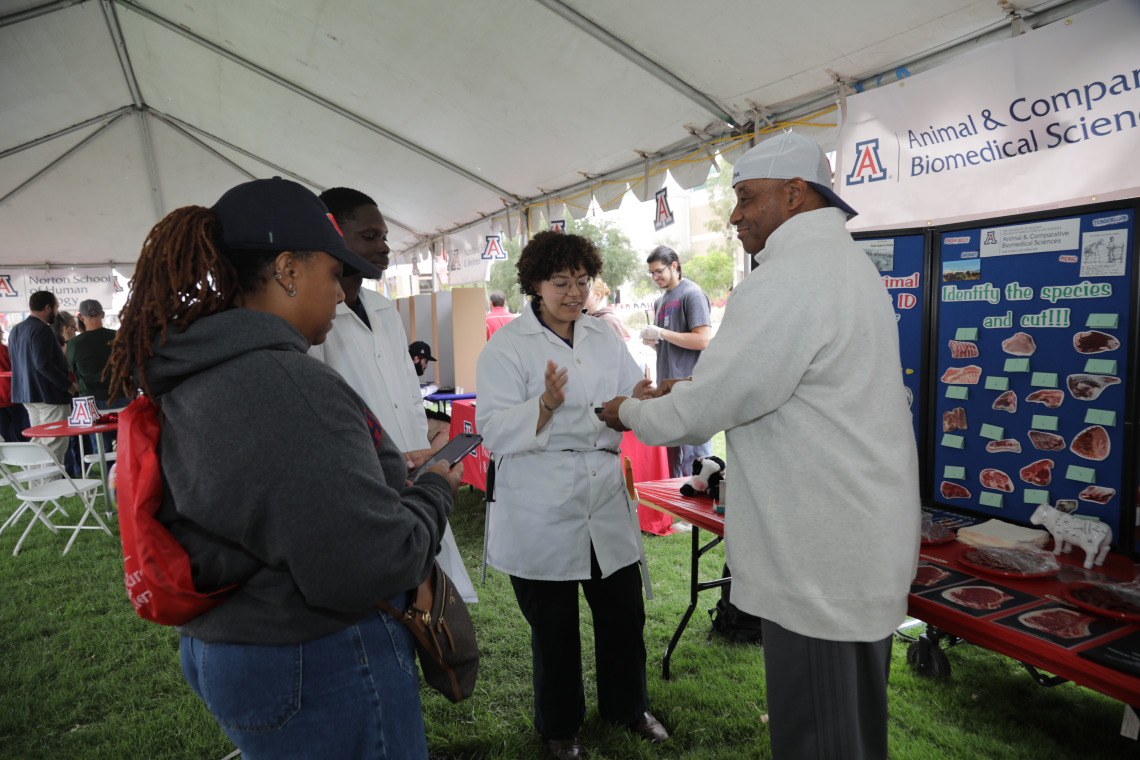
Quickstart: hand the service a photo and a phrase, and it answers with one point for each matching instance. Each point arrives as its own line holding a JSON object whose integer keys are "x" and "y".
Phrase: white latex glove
{"x": 651, "y": 332}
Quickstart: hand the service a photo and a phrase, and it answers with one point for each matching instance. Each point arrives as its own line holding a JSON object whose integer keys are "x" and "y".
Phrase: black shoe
{"x": 650, "y": 729}
{"x": 566, "y": 749}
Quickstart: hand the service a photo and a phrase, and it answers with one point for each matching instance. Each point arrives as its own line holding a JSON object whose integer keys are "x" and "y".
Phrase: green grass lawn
{"x": 82, "y": 677}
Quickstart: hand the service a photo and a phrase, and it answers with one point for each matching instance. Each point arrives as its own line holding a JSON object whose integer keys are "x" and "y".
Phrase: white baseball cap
{"x": 787, "y": 156}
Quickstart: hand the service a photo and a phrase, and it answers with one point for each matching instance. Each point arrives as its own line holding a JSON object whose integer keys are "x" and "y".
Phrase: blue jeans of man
{"x": 681, "y": 458}
{"x": 351, "y": 694}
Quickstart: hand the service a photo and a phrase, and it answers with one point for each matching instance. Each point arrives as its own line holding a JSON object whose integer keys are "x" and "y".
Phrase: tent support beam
{"x": 66, "y": 131}
{"x": 71, "y": 152}
{"x": 654, "y": 69}
{"x": 202, "y": 144}
{"x": 116, "y": 32}
{"x": 39, "y": 10}
{"x": 186, "y": 129}
{"x": 312, "y": 96}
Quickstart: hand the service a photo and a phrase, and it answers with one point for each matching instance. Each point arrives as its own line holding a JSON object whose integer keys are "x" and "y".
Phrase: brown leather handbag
{"x": 445, "y": 635}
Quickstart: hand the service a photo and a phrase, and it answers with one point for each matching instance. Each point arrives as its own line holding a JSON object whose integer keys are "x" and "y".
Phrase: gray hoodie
{"x": 273, "y": 481}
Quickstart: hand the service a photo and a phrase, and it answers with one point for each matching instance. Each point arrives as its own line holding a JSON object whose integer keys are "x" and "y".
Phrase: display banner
{"x": 1032, "y": 380}
{"x": 71, "y": 286}
{"x": 1046, "y": 119}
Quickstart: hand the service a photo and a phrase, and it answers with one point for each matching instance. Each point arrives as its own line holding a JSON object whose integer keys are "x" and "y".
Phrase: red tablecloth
{"x": 664, "y": 497}
{"x": 999, "y": 630}
{"x": 649, "y": 463}
{"x": 62, "y": 429}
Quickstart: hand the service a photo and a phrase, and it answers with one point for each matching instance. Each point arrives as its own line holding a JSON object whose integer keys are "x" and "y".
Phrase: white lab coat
{"x": 377, "y": 365}
{"x": 551, "y": 504}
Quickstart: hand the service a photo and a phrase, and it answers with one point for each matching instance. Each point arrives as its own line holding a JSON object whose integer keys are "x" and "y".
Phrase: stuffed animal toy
{"x": 708, "y": 472}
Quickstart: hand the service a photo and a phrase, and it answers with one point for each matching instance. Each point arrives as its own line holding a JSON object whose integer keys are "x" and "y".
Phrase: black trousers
{"x": 551, "y": 609}
{"x": 827, "y": 700}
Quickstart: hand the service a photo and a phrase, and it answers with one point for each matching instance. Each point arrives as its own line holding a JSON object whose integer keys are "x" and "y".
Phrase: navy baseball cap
{"x": 280, "y": 215}
{"x": 421, "y": 350}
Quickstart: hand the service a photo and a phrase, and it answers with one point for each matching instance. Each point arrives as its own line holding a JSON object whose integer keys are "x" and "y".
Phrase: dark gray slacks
{"x": 551, "y": 609}
{"x": 827, "y": 700}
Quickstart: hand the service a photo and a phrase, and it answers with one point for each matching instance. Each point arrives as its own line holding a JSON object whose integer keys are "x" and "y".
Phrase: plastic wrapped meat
{"x": 1092, "y": 443}
{"x": 955, "y": 419}
{"x": 1094, "y": 342}
{"x": 934, "y": 532}
{"x": 1006, "y": 402}
{"x": 1111, "y": 597}
{"x": 1011, "y": 445}
{"x": 1046, "y": 441}
{"x": 1019, "y": 344}
{"x": 997, "y": 480}
{"x": 1039, "y": 473}
{"x": 1050, "y": 398}
{"x": 1088, "y": 387}
{"x": 1020, "y": 560}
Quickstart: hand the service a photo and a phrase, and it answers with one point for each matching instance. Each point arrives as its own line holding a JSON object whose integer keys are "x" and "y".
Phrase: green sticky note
{"x": 954, "y": 473}
{"x": 997, "y": 383}
{"x": 1044, "y": 380}
{"x": 1101, "y": 366}
{"x": 993, "y": 432}
{"x": 1100, "y": 417}
{"x": 990, "y": 499}
{"x": 966, "y": 333}
{"x": 957, "y": 391}
{"x": 1106, "y": 321}
{"x": 1043, "y": 422}
{"x": 1081, "y": 474}
{"x": 1033, "y": 496}
{"x": 953, "y": 441}
{"x": 1016, "y": 365}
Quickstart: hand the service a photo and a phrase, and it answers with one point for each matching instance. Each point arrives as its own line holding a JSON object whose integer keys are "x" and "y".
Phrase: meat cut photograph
{"x": 962, "y": 375}
{"x": 1039, "y": 473}
{"x": 1011, "y": 445}
{"x": 996, "y": 480}
{"x": 1089, "y": 387}
{"x": 1046, "y": 441}
{"x": 977, "y": 597}
{"x": 1060, "y": 622}
{"x": 1006, "y": 402}
{"x": 955, "y": 419}
{"x": 1050, "y": 398}
{"x": 1099, "y": 494}
{"x": 1092, "y": 443}
{"x": 954, "y": 491}
{"x": 1019, "y": 344}
{"x": 962, "y": 349}
{"x": 1094, "y": 342}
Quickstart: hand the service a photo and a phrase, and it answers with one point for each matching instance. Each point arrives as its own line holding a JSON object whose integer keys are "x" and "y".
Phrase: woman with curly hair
{"x": 560, "y": 516}
{"x": 278, "y": 480}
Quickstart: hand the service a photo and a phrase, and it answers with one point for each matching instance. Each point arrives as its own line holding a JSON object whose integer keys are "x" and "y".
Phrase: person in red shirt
{"x": 13, "y": 419}
{"x": 499, "y": 315}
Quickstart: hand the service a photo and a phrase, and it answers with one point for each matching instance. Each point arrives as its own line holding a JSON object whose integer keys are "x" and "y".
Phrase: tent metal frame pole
{"x": 654, "y": 69}
{"x": 184, "y": 127}
{"x": 68, "y": 154}
{"x": 313, "y": 97}
{"x": 202, "y": 144}
{"x": 116, "y": 32}
{"x": 39, "y": 10}
{"x": 66, "y": 131}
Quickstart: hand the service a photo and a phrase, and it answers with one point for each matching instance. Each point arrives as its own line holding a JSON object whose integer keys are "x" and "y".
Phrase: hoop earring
{"x": 292, "y": 291}
{"x": 277, "y": 275}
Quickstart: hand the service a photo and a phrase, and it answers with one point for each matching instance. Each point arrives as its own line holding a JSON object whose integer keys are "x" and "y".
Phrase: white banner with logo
{"x": 71, "y": 286}
{"x": 1049, "y": 118}
{"x": 467, "y": 266}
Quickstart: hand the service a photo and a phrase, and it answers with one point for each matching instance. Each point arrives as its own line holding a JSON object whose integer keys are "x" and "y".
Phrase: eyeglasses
{"x": 657, "y": 272}
{"x": 562, "y": 287}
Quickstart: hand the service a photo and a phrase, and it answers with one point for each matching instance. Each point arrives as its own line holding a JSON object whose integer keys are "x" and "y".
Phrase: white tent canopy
{"x": 115, "y": 112}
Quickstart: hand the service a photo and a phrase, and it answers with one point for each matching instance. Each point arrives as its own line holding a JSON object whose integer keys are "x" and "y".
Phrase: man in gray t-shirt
{"x": 680, "y": 332}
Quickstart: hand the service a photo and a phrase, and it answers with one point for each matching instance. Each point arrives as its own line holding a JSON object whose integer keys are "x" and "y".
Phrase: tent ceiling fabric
{"x": 444, "y": 112}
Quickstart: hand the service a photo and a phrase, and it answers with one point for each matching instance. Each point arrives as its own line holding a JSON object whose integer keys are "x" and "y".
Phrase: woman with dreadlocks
{"x": 278, "y": 479}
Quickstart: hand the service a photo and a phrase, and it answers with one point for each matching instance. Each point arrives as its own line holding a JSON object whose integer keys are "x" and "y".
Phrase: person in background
{"x": 597, "y": 307}
{"x": 65, "y": 327}
{"x": 499, "y": 315}
{"x": 420, "y": 354}
{"x": 680, "y": 332}
{"x": 822, "y": 530}
{"x": 561, "y": 518}
{"x": 88, "y": 354}
{"x": 13, "y": 418}
{"x": 40, "y": 380}
{"x": 279, "y": 480}
{"x": 367, "y": 348}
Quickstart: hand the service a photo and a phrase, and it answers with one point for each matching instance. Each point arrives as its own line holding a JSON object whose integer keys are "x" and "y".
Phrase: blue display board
{"x": 901, "y": 259}
{"x": 1033, "y": 332}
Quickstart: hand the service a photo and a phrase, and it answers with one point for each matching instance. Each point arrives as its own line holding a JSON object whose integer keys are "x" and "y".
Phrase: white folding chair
{"x": 90, "y": 460}
{"x": 37, "y": 497}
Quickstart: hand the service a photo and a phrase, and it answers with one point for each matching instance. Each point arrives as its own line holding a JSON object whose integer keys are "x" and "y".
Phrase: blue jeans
{"x": 681, "y": 458}
{"x": 352, "y": 694}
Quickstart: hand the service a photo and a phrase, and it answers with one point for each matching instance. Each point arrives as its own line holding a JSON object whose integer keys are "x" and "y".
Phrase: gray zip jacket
{"x": 274, "y": 481}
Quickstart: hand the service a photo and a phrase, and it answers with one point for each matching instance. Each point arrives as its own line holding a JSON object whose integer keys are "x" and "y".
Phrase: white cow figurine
{"x": 1093, "y": 536}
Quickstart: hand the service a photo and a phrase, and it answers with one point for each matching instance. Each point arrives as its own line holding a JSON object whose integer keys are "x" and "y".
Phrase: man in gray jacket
{"x": 822, "y": 477}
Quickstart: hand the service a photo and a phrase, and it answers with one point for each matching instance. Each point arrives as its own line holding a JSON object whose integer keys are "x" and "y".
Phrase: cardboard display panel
{"x": 1031, "y": 371}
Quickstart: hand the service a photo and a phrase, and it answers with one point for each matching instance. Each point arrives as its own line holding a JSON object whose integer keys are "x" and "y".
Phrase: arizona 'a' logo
{"x": 991, "y": 238}
{"x": 868, "y": 166}
{"x": 664, "y": 215}
{"x": 558, "y": 225}
{"x": 493, "y": 250}
{"x": 6, "y": 288}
